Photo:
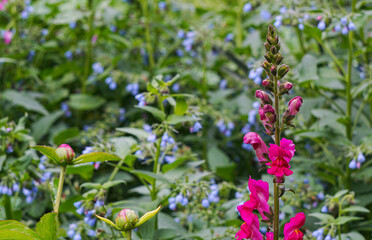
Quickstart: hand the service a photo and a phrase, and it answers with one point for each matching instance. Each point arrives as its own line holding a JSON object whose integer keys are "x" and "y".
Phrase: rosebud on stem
{"x": 65, "y": 153}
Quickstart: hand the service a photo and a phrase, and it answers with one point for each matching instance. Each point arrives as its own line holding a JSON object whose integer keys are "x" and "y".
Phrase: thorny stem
{"x": 60, "y": 187}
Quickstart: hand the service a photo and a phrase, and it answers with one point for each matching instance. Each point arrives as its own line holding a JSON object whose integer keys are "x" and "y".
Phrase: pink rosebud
{"x": 318, "y": 18}
{"x": 126, "y": 219}
{"x": 269, "y": 112}
{"x": 250, "y": 229}
{"x": 8, "y": 35}
{"x": 292, "y": 229}
{"x": 258, "y": 145}
{"x": 265, "y": 98}
{"x": 65, "y": 153}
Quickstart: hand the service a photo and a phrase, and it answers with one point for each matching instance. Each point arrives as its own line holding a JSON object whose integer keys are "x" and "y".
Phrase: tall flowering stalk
{"x": 276, "y": 157}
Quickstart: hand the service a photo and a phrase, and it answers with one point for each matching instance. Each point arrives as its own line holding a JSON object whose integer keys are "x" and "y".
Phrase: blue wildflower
{"x": 205, "y": 203}
{"x": 351, "y": 26}
{"x": 223, "y": 84}
{"x": 229, "y": 37}
{"x": 353, "y": 164}
{"x": 343, "y": 21}
{"x": 324, "y": 209}
{"x": 344, "y": 30}
{"x": 97, "y": 68}
{"x": 322, "y": 25}
{"x": 247, "y": 7}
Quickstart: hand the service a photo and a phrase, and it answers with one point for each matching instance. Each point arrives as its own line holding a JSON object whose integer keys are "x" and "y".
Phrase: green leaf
{"x": 352, "y": 236}
{"x": 217, "y": 158}
{"x": 48, "y": 226}
{"x": 84, "y": 170}
{"x": 147, "y": 216}
{"x": 355, "y": 209}
{"x": 139, "y": 133}
{"x": 341, "y": 193}
{"x": 12, "y": 230}
{"x": 123, "y": 145}
{"x": 41, "y": 127}
{"x": 308, "y": 68}
{"x": 49, "y": 152}
{"x": 107, "y": 221}
{"x": 91, "y": 185}
{"x": 323, "y": 217}
{"x": 96, "y": 157}
{"x": 85, "y": 102}
{"x": 312, "y": 31}
{"x": 174, "y": 119}
{"x": 154, "y": 111}
{"x": 345, "y": 219}
{"x": 150, "y": 176}
{"x": 65, "y": 135}
{"x": 7, "y": 60}
{"x": 109, "y": 184}
{"x": 25, "y": 100}
{"x": 181, "y": 107}
{"x": 174, "y": 164}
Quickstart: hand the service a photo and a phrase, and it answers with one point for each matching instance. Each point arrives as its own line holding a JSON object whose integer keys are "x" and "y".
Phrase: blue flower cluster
{"x": 183, "y": 200}
{"x": 357, "y": 163}
{"x": 196, "y": 127}
{"x": 251, "y": 121}
{"x": 319, "y": 235}
{"x": 121, "y": 114}
{"x": 111, "y": 83}
{"x": 89, "y": 218}
{"x": 226, "y": 129}
{"x": 133, "y": 88}
{"x": 141, "y": 99}
{"x": 4, "y": 189}
{"x": 30, "y": 193}
{"x": 27, "y": 10}
{"x": 66, "y": 109}
{"x": 97, "y": 68}
{"x": 255, "y": 75}
{"x": 344, "y": 26}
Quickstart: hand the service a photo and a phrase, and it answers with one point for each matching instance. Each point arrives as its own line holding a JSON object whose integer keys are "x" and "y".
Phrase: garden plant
{"x": 182, "y": 119}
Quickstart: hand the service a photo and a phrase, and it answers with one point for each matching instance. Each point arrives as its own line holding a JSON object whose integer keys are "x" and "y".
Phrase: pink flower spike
{"x": 269, "y": 236}
{"x": 8, "y": 35}
{"x": 288, "y": 145}
{"x": 260, "y": 192}
{"x": 250, "y": 229}
{"x": 292, "y": 229}
{"x": 258, "y": 145}
{"x": 280, "y": 158}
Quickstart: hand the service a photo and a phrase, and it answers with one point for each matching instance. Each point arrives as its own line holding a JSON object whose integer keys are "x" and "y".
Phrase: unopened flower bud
{"x": 270, "y": 113}
{"x": 268, "y": 84}
{"x": 273, "y": 50}
{"x": 285, "y": 87}
{"x": 269, "y": 56}
{"x": 278, "y": 58}
{"x": 126, "y": 219}
{"x": 65, "y": 153}
{"x": 265, "y": 98}
{"x": 293, "y": 108}
{"x": 267, "y": 46}
{"x": 266, "y": 65}
{"x": 273, "y": 41}
{"x": 282, "y": 71}
{"x": 273, "y": 71}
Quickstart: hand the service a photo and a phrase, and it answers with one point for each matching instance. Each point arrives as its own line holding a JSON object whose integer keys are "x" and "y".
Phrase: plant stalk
{"x": 145, "y": 12}
{"x": 89, "y": 51}
{"x": 129, "y": 234}
{"x": 60, "y": 188}
{"x": 277, "y": 142}
{"x": 8, "y": 207}
{"x": 348, "y": 88}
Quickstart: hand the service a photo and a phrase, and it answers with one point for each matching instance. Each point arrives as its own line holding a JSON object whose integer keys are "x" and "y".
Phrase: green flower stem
{"x": 8, "y": 207}
{"x": 348, "y": 87}
{"x": 116, "y": 169}
{"x": 145, "y": 12}
{"x": 89, "y": 50}
{"x": 129, "y": 234}
{"x": 60, "y": 187}
{"x": 277, "y": 142}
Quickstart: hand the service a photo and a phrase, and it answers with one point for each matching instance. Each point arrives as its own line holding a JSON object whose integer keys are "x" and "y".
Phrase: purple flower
{"x": 97, "y": 68}
{"x": 229, "y": 37}
{"x": 205, "y": 203}
{"x": 223, "y": 84}
{"x": 321, "y": 25}
{"x": 344, "y": 30}
{"x": 351, "y": 26}
{"x": 151, "y": 138}
{"x": 196, "y": 127}
{"x": 247, "y": 7}
{"x": 344, "y": 21}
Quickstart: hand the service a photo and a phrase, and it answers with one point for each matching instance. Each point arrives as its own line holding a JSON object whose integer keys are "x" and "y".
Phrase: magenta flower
{"x": 269, "y": 112}
{"x": 265, "y": 121}
{"x": 288, "y": 145}
{"x": 269, "y": 236}
{"x": 250, "y": 229}
{"x": 8, "y": 35}
{"x": 292, "y": 229}
{"x": 260, "y": 192}
{"x": 265, "y": 99}
{"x": 280, "y": 158}
{"x": 258, "y": 145}
{"x": 294, "y": 105}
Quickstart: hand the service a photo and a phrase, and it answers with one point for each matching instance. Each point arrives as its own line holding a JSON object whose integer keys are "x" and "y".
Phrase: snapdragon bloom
{"x": 280, "y": 157}
{"x": 265, "y": 99}
{"x": 293, "y": 108}
{"x": 292, "y": 229}
{"x": 250, "y": 229}
{"x": 258, "y": 199}
{"x": 265, "y": 121}
{"x": 258, "y": 145}
{"x": 269, "y": 236}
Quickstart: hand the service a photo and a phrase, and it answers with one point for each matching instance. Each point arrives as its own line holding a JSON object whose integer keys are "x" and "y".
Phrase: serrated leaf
{"x": 158, "y": 114}
{"x": 147, "y": 216}
{"x": 107, "y": 221}
{"x": 140, "y": 133}
{"x": 25, "y": 100}
{"x": 174, "y": 119}
{"x": 49, "y": 152}
{"x": 95, "y": 157}
{"x": 48, "y": 226}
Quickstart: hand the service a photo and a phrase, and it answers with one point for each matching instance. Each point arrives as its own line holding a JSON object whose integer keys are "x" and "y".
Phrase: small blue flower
{"x": 324, "y": 209}
{"x": 77, "y": 236}
{"x": 351, "y": 26}
{"x": 343, "y": 21}
{"x": 247, "y": 7}
{"x": 196, "y": 127}
{"x": 361, "y": 158}
{"x": 72, "y": 25}
{"x": 353, "y": 164}
{"x": 318, "y": 232}
{"x": 322, "y": 25}
{"x": 338, "y": 28}
{"x": 229, "y": 37}
{"x": 184, "y": 201}
{"x": 91, "y": 233}
{"x": 15, "y": 187}
{"x": 44, "y": 31}
{"x": 151, "y": 138}
{"x": 181, "y": 34}
{"x": 320, "y": 196}
{"x": 87, "y": 150}
{"x": 113, "y": 86}
{"x": 263, "y": 230}
{"x": 172, "y": 206}
{"x": 239, "y": 195}
{"x": 344, "y": 30}
{"x": 176, "y": 87}
{"x": 147, "y": 128}
{"x": 265, "y": 15}
{"x": 169, "y": 159}
{"x": 179, "y": 198}
{"x": 71, "y": 233}
{"x": 281, "y": 216}
{"x": 113, "y": 28}
{"x": 97, "y": 68}
{"x": 283, "y": 10}
{"x": 109, "y": 80}
{"x": 223, "y": 84}
{"x": 328, "y": 237}
{"x": 80, "y": 210}
{"x": 205, "y": 203}
{"x": 162, "y": 5}
{"x": 301, "y": 26}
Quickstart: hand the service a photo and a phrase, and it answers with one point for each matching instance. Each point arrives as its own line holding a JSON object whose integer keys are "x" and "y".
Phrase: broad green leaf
{"x": 91, "y": 185}
{"x": 217, "y": 158}
{"x": 308, "y": 68}
{"x": 96, "y": 157}
{"x": 140, "y": 133}
{"x": 11, "y": 229}
{"x": 341, "y": 193}
{"x": 65, "y": 135}
{"x": 355, "y": 209}
{"x": 48, "y": 226}
{"x": 123, "y": 145}
{"x": 49, "y": 152}
{"x": 174, "y": 164}
{"x": 181, "y": 107}
{"x": 323, "y": 217}
{"x": 312, "y": 31}
{"x": 25, "y": 100}
{"x": 109, "y": 184}
{"x": 41, "y": 127}
{"x": 84, "y": 170}
{"x": 174, "y": 119}
{"x": 150, "y": 176}
{"x": 107, "y": 221}
{"x": 7, "y": 60}
{"x": 147, "y": 216}
{"x": 158, "y": 114}
{"x": 352, "y": 236}
{"x": 344, "y": 219}
{"x": 85, "y": 102}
